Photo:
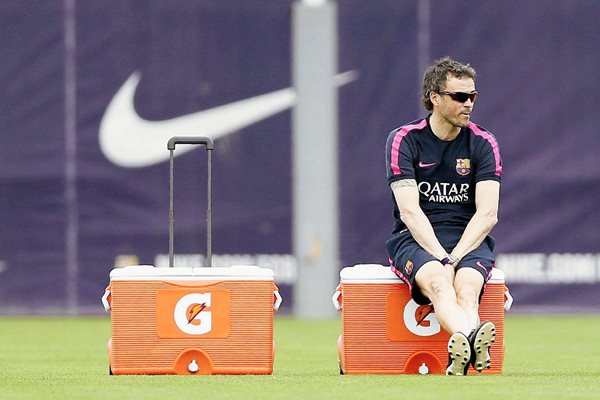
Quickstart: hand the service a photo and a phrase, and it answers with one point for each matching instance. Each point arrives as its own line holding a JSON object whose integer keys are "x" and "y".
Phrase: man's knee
{"x": 434, "y": 282}
{"x": 468, "y": 285}
{"x": 467, "y": 296}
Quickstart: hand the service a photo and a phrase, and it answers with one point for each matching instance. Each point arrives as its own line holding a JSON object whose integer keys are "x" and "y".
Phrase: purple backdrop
{"x": 537, "y": 62}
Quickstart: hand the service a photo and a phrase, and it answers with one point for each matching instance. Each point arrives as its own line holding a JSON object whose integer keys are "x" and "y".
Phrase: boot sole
{"x": 483, "y": 339}
{"x": 459, "y": 354}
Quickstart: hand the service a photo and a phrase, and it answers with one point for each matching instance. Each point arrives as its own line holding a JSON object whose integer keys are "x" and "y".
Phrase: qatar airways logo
{"x": 444, "y": 192}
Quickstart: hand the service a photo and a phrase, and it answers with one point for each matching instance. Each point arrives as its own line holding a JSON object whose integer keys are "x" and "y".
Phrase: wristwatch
{"x": 449, "y": 259}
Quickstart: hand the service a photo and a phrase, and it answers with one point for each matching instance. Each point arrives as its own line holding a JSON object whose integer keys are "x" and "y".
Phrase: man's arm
{"x": 487, "y": 195}
{"x": 406, "y": 194}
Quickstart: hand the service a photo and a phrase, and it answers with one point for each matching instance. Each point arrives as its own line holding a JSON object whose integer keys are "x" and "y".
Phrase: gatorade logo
{"x": 188, "y": 314}
{"x": 420, "y": 320}
{"x": 193, "y": 313}
{"x": 406, "y": 321}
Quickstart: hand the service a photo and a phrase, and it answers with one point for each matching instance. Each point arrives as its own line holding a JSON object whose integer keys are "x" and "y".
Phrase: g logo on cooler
{"x": 406, "y": 321}
{"x": 201, "y": 312}
{"x": 427, "y": 326}
{"x": 199, "y": 324}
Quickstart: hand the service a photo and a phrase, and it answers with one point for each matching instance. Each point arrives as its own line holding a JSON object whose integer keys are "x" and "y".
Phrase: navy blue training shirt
{"x": 446, "y": 171}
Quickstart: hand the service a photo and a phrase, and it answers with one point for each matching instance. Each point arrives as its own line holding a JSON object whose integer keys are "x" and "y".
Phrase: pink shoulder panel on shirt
{"x": 400, "y": 134}
{"x": 492, "y": 141}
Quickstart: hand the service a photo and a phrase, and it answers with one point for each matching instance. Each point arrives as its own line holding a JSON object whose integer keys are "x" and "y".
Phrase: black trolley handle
{"x": 206, "y": 141}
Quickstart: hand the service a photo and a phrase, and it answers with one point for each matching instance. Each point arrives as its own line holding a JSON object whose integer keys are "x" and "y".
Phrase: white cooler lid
{"x": 377, "y": 273}
{"x": 150, "y": 272}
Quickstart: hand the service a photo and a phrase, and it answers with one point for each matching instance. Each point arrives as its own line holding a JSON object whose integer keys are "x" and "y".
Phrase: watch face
{"x": 449, "y": 259}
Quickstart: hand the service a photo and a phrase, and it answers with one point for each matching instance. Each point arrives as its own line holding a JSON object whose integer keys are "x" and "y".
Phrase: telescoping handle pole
{"x": 206, "y": 141}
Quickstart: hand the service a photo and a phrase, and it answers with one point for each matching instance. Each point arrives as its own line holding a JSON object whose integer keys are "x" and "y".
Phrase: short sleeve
{"x": 489, "y": 161}
{"x": 399, "y": 156}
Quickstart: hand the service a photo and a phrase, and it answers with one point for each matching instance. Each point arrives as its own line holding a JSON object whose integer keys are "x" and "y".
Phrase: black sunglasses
{"x": 461, "y": 97}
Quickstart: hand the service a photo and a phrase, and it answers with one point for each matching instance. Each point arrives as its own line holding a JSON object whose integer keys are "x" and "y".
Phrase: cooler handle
{"x": 107, "y": 299}
{"x": 208, "y": 142}
{"x": 337, "y": 298}
{"x": 277, "y": 300}
{"x": 508, "y": 299}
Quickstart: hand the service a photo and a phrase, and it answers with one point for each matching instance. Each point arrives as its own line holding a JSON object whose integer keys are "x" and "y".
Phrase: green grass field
{"x": 66, "y": 358}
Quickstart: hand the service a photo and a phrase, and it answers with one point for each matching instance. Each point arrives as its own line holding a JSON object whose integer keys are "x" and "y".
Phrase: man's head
{"x": 437, "y": 75}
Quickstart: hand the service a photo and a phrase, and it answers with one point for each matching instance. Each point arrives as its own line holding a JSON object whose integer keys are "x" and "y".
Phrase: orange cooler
{"x": 206, "y": 320}
{"x": 385, "y": 332}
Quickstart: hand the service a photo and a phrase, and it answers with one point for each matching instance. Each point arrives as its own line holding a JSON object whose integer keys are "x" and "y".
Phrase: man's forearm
{"x": 422, "y": 231}
{"x": 476, "y": 231}
{"x": 487, "y": 194}
{"x": 414, "y": 218}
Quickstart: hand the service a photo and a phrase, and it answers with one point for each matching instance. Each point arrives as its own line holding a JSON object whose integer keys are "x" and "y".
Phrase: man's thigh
{"x": 408, "y": 258}
{"x": 468, "y": 282}
{"x": 480, "y": 259}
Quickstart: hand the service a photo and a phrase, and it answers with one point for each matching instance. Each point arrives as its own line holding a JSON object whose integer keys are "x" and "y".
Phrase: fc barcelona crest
{"x": 463, "y": 166}
{"x": 408, "y": 267}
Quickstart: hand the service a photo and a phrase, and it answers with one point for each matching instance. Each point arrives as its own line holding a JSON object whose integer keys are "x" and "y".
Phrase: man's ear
{"x": 434, "y": 98}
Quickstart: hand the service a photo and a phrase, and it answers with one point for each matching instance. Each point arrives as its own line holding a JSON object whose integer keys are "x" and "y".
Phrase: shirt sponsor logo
{"x": 444, "y": 192}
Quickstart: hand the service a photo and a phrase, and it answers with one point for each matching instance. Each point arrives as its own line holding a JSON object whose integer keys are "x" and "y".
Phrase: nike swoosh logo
{"x": 130, "y": 141}
{"x": 425, "y": 165}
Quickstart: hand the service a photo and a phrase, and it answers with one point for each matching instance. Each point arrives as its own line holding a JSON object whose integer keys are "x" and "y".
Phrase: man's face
{"x": 455, "y": 112}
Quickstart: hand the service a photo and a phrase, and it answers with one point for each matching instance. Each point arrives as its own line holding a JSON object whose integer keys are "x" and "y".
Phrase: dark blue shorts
{"x": 406, "y": 256}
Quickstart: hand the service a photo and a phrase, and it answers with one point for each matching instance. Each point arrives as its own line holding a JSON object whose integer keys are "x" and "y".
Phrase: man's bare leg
{"x": 468, "y": 284}
{"x": 436, "y": 282}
